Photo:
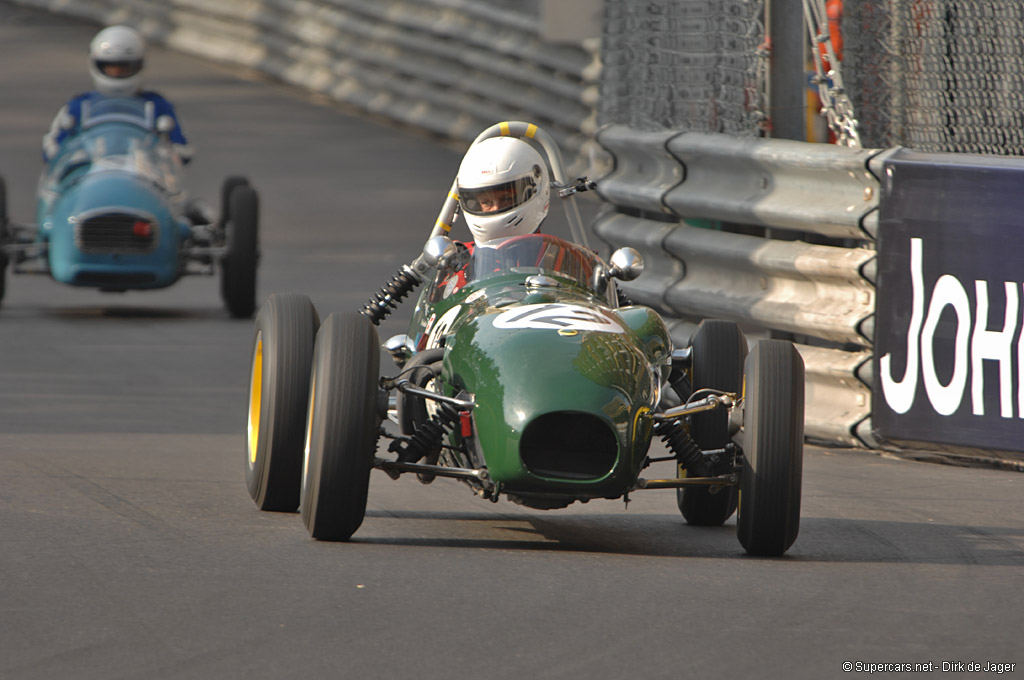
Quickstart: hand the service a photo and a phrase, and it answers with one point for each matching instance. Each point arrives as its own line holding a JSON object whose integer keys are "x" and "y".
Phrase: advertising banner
{"x": 949, "y": 355}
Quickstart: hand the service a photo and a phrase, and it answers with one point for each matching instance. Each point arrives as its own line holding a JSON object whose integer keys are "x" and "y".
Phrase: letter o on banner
{"x": 946, "y": 399}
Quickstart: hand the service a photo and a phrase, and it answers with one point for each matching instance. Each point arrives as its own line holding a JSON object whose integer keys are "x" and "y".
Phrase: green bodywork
{"x": 523, "y": 347}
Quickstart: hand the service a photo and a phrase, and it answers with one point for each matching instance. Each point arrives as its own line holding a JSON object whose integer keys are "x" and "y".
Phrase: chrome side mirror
{"x": 626, "y": 264}
{"x": 438, "y": 249}
{"x": 400, "y": 347}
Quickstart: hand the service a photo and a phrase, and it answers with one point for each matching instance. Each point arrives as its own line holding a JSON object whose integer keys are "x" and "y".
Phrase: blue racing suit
{"x": 70, "y": 115}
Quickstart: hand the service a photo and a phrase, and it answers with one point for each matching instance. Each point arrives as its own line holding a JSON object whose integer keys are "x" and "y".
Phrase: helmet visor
{"x": 125, "y": 68}
{"x": 498, "y": 198}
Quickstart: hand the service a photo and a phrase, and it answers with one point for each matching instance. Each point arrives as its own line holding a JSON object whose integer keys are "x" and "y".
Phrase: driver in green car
{"x": 503, "y": 191}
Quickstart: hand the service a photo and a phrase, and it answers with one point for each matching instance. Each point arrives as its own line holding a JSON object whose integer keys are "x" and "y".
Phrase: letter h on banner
{"x": 995, "y": 345}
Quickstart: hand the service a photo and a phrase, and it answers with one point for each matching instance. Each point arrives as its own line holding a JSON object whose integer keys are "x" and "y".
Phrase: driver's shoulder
{"x": 153, "y": 96}
{"x": 75, "y": 102}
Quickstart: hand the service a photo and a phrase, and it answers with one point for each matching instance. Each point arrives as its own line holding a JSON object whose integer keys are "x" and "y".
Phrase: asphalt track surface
{"x": 129, "y": 547}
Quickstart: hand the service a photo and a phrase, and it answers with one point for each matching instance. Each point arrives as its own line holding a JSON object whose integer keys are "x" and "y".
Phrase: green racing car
{"x": 526, "y": 374}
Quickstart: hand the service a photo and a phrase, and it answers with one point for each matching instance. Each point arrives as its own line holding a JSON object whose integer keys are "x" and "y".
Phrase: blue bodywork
{"x": 111, "y": 203}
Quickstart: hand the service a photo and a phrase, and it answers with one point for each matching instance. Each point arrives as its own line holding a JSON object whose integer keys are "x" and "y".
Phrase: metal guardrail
{"x": 782, "y": 285}
{"x": 682, "y": 200}
{"x": 779, "y": 184}
{"x": 775, "y": 183}
{"x": 643, "y": 170}
{"x": 450, "y": 67}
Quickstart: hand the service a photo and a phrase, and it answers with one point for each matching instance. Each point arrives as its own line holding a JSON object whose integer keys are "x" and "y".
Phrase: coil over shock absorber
{"x": 426, "y": 441}
{"x": 391, "y": 293}
{"x": 679, "y": 442}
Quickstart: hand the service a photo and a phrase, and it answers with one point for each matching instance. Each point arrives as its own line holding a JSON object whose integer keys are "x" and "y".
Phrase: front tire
{"x": 238, "y": 267}
{"x": 719, "y": 352}
{"x": 342, "y": 427}
{"x": 282, "y": 355}
{"x": 773, "y": 443}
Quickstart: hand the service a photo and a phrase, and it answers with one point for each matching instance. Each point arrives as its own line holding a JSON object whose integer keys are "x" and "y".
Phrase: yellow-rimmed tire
{"x": 719, "y": 352}
{"x": 282, "y": 353}
{"x": 773, "y": 445}
{"x": 342, "y": 427}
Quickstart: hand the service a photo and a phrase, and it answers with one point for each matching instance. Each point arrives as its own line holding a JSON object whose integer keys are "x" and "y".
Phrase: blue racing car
{"x": 112, "y": 213}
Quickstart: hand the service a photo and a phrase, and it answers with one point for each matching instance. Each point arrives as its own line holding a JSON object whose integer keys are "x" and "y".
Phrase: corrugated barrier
{"x": 684, "y": 200}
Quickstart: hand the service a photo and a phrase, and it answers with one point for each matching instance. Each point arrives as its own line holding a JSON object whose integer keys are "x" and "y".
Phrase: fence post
{"x": 787, "y": 79}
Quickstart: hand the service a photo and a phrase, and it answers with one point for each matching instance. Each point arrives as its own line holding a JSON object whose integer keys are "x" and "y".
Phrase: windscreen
{"x": 133, "y": 110}
{"x": 116, "y": 147}
{"x": 535, "y": 254}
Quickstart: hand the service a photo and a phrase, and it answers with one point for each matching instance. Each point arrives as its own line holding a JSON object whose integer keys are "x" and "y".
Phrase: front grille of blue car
{"x": 569, "y": 445}
{"x": 116, "y": 233}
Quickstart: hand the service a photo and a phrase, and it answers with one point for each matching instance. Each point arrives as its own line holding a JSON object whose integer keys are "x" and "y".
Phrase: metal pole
{"x": 788, "y": 78}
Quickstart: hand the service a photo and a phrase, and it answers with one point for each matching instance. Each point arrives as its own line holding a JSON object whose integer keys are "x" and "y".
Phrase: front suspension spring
{"x": 426, "y": 441}
{"x": 679, "y": 442}
{"x": 391, "y": 293}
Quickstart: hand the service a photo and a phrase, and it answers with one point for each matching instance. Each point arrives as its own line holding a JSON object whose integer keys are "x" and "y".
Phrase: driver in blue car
{"x": 115, "y": 64}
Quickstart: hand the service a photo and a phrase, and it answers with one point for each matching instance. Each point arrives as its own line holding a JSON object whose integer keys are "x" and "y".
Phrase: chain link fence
{"x": 686, "y": 66}
{"x": 932, "y": 75}
{"x": 937, "y": 75}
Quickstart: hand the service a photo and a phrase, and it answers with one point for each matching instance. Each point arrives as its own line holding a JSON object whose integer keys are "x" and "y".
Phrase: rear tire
{"x": 227, "y": 188}
{"x": 3, "y": 208}
{"x": 238, "y": 268}
{"x": 412, "y": 409}
{"x": 282, "y": 355}
{"x": 4, "y": 238}
{"x": 719, "y": 352}
{"x": 342, "y": 427}
{"x": 773, "y": 443}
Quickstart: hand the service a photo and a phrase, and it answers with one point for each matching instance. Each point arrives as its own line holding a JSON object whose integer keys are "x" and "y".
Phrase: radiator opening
{"x": 569, "y": 445}
{"x": 111, "y": 233}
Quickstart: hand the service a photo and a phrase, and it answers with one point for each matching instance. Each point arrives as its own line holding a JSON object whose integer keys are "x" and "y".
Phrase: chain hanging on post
{"x": 836, "y": 103}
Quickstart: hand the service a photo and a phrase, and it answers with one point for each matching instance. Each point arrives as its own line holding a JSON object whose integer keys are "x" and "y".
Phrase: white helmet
{"x": 503, "y": 188}
{"x": 115, "y": 60}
